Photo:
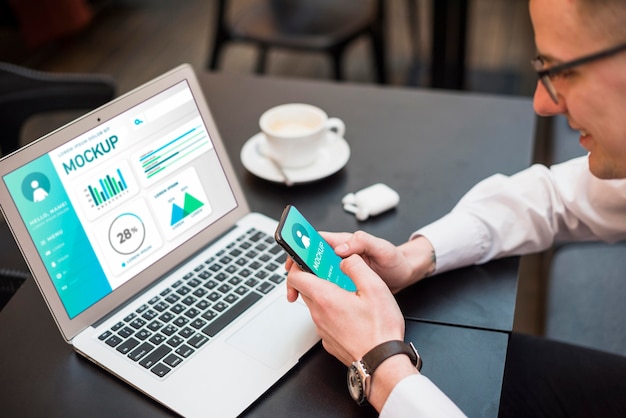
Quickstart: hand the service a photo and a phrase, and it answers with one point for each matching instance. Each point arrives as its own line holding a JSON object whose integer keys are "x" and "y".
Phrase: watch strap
{"x": 383, "y": 351}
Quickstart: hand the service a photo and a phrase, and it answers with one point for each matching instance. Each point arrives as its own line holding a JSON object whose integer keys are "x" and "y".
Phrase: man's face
{"x": 591, "y": 96}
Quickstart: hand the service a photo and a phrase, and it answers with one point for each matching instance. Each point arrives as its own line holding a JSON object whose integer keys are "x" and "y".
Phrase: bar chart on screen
{"x": 106, "y": 189}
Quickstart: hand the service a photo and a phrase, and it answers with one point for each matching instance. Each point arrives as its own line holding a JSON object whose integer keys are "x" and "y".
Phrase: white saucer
{"x": 332, "y": 158}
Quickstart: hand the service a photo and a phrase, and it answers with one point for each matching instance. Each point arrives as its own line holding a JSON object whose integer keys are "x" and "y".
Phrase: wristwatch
{"x": 361, "y": 371}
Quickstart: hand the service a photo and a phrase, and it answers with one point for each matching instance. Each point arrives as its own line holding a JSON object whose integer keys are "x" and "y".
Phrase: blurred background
{"x": 135, "y": 40}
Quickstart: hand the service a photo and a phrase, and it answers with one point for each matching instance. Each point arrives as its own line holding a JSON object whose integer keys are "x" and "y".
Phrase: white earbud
{"x": 370, "y": 201}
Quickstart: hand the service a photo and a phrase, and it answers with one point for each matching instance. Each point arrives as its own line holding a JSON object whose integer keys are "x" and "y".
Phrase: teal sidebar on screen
{"x": 312, "y": 249}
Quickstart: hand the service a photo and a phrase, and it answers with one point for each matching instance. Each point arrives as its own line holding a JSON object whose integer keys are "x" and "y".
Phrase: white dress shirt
{"x": 416, "y": 396}
{"x": 515, "y": 215}
{"x": 527, "y": 213}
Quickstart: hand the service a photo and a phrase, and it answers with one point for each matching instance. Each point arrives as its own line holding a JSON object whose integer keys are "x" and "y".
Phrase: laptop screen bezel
{"x": 70, "y": 327}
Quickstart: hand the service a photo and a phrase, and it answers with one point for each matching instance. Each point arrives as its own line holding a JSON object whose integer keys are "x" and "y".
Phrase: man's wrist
{"x": 420, "y": 252}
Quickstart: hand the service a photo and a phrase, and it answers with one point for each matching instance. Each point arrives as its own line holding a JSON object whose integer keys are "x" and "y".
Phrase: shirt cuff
{"x": 458, "y": 239}
{"x": 416, "y": 396}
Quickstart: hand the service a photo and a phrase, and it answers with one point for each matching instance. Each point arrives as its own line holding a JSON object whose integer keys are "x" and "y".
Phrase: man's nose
{"x": 543, "y": 103}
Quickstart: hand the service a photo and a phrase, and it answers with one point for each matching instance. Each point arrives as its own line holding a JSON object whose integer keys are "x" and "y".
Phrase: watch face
{"x": 355, "y": 385}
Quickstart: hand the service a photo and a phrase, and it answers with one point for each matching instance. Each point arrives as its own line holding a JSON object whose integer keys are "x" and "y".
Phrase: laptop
{"x": 138, "y": 234}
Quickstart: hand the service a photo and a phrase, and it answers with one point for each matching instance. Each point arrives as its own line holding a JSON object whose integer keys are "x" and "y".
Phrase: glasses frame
{"x": 546, "y": 74}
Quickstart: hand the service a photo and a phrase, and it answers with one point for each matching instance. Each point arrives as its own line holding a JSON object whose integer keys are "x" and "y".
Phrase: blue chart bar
{"x": 109, "y": 187}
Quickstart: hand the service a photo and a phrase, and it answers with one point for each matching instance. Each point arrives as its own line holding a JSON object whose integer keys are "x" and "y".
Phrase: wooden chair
{"x": 327, "y": 26}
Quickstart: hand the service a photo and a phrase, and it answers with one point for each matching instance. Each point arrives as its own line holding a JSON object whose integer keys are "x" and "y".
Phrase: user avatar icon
{"x": 301, "y": 236}
{"x": 39, "y": 193}
{"x": 36, "y": 187}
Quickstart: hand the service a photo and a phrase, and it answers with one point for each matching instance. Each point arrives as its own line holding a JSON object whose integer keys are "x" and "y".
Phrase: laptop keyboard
{"x": 167, "y": 330}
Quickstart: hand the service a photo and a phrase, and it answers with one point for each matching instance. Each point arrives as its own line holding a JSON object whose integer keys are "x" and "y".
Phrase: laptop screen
{"x": 106, "y": 205}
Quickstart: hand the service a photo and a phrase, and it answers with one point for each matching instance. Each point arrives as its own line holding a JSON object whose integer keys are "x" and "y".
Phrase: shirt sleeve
{"x": 416, "y": 396}
{"x": 527, "y": 212}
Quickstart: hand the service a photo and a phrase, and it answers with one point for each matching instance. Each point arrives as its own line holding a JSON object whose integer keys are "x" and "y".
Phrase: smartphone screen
{"x": 309, "y": 250}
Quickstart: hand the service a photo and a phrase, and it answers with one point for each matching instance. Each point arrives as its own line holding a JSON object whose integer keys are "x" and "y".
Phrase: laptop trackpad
{"x": 281, "y": 333}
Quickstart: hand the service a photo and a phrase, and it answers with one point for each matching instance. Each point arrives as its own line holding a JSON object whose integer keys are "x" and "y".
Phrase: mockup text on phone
{"x": 309, "y": 250}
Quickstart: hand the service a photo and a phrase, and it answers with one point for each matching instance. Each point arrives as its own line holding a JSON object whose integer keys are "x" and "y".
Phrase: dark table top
{"x": 430, "y": 147}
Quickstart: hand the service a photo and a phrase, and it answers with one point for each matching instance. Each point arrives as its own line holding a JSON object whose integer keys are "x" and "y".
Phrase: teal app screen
{"x": 314, "y": 251}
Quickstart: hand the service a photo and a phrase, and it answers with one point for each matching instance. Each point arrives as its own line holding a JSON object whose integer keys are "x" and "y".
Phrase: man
{"x": 582, "y": 70}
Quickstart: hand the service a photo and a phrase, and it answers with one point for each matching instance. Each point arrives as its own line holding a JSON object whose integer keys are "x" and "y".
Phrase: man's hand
{"x": 352, "y": 323}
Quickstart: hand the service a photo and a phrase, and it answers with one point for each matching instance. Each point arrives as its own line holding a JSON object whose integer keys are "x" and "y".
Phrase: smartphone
{"x": 309, "y": 250}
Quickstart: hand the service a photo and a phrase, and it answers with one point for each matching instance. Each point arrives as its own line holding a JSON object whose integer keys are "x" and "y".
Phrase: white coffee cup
{"x": 296, "y": 132}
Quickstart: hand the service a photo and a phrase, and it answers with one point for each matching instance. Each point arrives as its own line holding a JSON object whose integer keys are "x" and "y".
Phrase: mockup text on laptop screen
{"x": 107, "y": 204}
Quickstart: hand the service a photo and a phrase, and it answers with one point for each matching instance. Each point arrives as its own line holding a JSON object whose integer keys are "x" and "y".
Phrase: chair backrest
{"x": 585, "y": 287}
{"x": 586, "y": 296}
{"x": 327, "y": 26}
{"x": 25, "y": 92}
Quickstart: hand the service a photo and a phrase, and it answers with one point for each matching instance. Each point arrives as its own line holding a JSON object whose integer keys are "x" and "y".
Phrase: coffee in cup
{"x": 295, "y": 133}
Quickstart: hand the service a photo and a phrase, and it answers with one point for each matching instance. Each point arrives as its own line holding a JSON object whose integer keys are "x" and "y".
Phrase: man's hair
{"x": 608, "y": 17}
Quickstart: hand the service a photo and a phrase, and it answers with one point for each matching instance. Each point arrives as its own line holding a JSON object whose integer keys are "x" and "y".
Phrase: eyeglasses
{"x": 546, "y": 75}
